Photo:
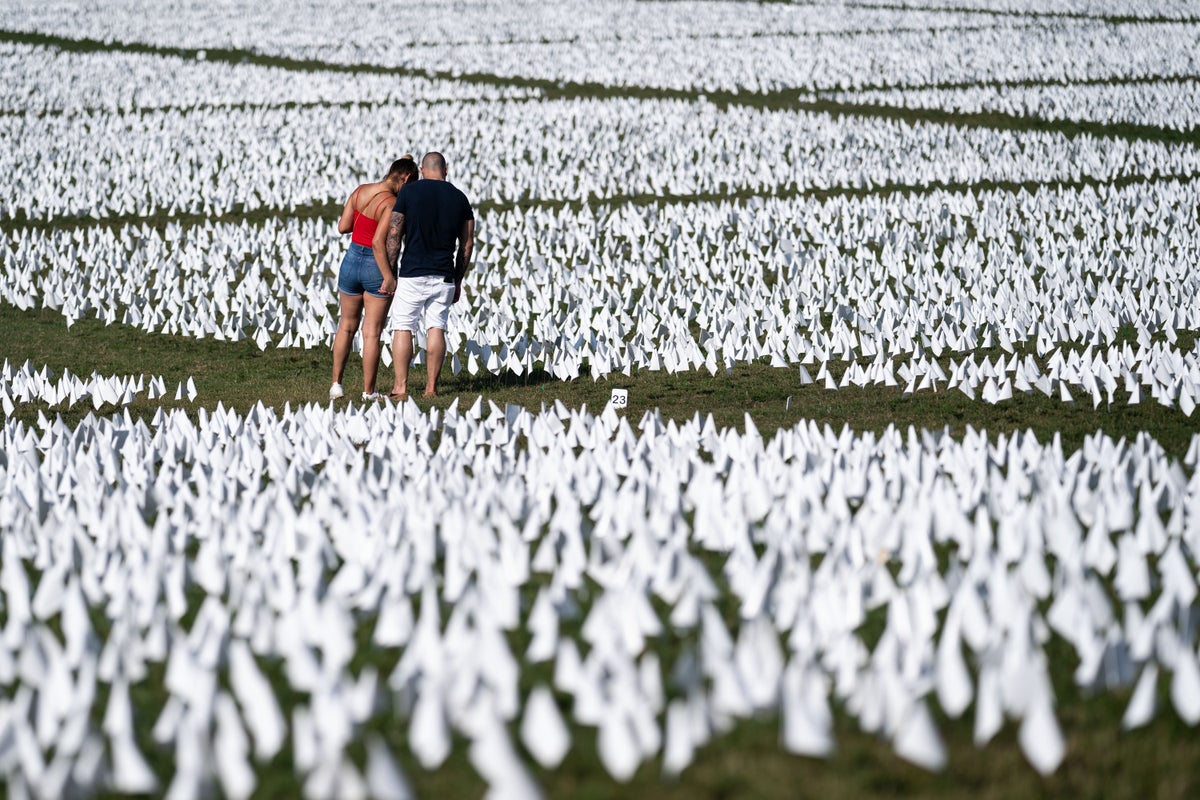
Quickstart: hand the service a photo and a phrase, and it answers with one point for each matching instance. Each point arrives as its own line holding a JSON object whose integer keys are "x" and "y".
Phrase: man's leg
{"x": 406, "y": 310}
{"x": 402, "y": 353}
{"x": 374, "y": 316}
{"x": 435, "y": 354}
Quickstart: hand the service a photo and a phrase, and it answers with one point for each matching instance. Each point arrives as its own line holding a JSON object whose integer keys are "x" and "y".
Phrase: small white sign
{"x": 620, "y": 398}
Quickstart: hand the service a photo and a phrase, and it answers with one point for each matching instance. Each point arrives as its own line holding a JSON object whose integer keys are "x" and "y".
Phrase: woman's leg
{"x": 352, "y": 309}
{"x": 375, "y": 310}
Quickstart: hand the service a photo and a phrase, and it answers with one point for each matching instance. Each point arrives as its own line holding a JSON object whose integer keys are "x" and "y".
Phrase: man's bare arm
{"x": 378, "y": 249}
{"x": 395, "y": 235}
{"x": 466, "y": 246}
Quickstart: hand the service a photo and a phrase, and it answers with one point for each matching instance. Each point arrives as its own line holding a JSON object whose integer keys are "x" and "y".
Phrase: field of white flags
{"x": 205, "y": 594}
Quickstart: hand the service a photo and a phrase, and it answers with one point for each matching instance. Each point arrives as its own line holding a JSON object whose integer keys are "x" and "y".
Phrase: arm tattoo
{"x": 395, "y": 234}
{"x": 466, "y": 246}
{"x": 463, "y": 259}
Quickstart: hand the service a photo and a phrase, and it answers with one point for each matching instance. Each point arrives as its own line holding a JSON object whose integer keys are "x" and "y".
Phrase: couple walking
{"x": 432, "y": 221}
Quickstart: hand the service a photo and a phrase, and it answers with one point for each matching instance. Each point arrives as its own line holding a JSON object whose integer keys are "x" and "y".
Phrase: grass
{"x": 239, "y": 375}
{"x": 286, "y": 105}
{"x": 731, "y": 194}
{"x": 1023, "y": 13}
{"x": 1102, "y": 761}
{"x": 554, "y": 89}
{"x": 951, "y": 8}
{"x": 747, "y": 762}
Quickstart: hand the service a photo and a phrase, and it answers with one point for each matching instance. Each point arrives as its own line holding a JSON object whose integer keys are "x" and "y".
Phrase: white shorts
{"x": 428, "y": 297}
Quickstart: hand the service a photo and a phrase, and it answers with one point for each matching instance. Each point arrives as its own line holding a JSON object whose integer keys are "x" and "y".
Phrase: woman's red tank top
{"x": 364, "y": 226}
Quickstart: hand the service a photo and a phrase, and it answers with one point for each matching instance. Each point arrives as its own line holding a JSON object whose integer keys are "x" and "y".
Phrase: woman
{"x": 366, "y": 283}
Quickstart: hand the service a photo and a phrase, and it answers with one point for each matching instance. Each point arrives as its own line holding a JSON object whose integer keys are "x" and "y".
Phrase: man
{"x": 435, "y": 222}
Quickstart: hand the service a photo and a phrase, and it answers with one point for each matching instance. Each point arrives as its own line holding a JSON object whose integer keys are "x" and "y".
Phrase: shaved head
{"x": 433, "y": 162}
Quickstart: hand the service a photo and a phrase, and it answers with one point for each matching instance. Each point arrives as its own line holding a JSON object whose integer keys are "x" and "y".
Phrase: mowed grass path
{"x": 238, "y": 375}
{"x": 813, "y": 99}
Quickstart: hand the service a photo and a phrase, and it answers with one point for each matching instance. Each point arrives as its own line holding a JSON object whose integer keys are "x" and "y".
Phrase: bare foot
{"x": 428, "y": 394}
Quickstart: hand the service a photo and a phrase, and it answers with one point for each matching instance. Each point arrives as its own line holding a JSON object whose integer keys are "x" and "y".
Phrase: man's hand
{"x": 381, "y": 246}
{"x": 388, "y": 286}
{"x": 457, "y": 292}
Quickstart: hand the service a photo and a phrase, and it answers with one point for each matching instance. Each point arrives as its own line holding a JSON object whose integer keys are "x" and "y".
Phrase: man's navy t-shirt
{"x": 434, "y": 213}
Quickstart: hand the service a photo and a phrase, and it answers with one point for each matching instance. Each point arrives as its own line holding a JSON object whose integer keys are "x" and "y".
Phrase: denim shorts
{"x": 360, "y": 273}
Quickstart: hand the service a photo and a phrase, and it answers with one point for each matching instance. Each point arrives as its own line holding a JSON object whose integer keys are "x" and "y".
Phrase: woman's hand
{"x": 388, "y": 286}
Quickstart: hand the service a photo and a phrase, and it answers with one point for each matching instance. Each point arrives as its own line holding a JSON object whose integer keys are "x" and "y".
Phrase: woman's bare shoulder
{"x": 361, "y": 193}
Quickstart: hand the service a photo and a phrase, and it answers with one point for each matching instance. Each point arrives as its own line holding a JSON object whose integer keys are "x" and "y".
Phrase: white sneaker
{"x": 372, "y": 396}
{"x": 336, "y": 392}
